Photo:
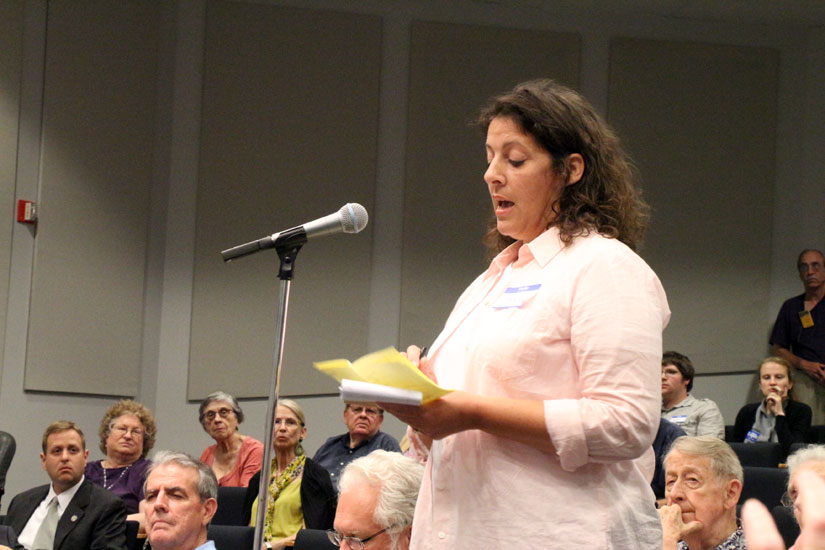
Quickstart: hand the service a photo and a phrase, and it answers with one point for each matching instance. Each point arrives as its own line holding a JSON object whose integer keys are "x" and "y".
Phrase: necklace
{"x": 109, "y": 487}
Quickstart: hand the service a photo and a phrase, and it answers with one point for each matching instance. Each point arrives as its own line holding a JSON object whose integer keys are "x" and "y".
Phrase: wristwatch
{"x": 267, "y": 545}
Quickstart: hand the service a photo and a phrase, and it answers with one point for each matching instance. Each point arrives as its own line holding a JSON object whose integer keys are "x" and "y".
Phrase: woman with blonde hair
{"x": 127, "y": 434}
{"x": 301, "y": 494}
{"x": 777, "y": 417}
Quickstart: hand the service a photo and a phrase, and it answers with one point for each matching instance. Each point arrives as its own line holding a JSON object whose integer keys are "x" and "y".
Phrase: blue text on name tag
{"x": 515, "y": 296}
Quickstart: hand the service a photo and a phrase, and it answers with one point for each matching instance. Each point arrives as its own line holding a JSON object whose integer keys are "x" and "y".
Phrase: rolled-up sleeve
{"x": 618, "y": 311}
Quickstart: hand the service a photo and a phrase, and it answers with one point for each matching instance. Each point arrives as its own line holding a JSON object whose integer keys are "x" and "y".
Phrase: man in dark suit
{"x": 70, "y": 513}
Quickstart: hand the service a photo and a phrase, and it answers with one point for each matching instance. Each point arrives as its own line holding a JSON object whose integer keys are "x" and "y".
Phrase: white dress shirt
{"x": 26, "y": 537}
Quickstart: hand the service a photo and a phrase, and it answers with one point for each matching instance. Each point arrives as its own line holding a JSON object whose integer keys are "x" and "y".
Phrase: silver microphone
{"x": 350, "y": 218}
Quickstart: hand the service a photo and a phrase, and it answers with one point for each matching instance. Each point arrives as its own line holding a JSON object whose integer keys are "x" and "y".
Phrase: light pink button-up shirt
{"x": 579, "y": 328}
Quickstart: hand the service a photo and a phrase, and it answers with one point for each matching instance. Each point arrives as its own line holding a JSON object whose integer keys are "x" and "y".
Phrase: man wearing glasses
{"x": 363, "y": 422}
{"x": 799, "y": 333}
{"x": 377, "y": 501}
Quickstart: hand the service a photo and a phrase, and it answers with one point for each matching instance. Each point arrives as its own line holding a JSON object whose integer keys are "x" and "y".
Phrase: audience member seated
{"x": 363, "y": 436}
{"x": 300, "y": 491}
{"x": 181, "y": 498}
{"x": 127, "y": 434}
{"x": 777, "y": 418}
{"x": 71, "y": 512}
{"x": 668, "y": 433}
{"x": 695, "y": 416}
{"x": 761, "y": 532}
{"x": 234, "y": 457}
{"x": 810, "y": 458}
{"x": 377, "y": 501}
{"x": 703, "y": 481}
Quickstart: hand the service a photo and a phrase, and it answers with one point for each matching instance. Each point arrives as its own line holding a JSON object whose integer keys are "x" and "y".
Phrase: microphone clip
{"x": 288, "y": 244}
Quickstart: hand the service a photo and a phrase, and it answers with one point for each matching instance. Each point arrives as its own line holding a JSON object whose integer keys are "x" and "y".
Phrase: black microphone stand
{"x": 287, "y": 251}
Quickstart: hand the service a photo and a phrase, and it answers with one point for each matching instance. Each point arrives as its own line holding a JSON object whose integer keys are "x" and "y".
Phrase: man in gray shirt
{"x": 695, "y": 416}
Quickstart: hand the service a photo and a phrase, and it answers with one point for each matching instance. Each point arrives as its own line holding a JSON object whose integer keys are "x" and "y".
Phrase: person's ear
{"x": 733, "y": 490}
{"x": 209, "y": 509}
{"x": 575, "y": 168}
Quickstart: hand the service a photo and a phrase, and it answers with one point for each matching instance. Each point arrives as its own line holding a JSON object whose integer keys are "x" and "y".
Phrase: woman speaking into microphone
{"x": 555, "y": 350}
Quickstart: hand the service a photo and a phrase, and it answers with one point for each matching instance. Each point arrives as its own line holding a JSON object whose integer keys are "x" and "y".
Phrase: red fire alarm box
{"x": 26, "y": 211}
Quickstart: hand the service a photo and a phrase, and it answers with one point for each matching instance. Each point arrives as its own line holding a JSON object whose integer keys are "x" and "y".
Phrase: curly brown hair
{"x": 127, "y": 406}
{"x": 606, "y": 199}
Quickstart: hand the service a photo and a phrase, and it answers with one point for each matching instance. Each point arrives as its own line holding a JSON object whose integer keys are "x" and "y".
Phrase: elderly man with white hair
{"x": 376, "y": 503}
{"x": 703, "y": 481}
{"x": 806, "y": 493}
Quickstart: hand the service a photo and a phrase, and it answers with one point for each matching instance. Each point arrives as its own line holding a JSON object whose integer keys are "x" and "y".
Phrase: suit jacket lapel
{"x": 73, "y": 514}
{"x": 27, "y": 508}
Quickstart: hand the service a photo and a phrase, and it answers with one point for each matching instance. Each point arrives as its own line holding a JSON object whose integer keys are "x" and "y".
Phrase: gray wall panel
{"x": 11, "y": 45}
{"x": 700, "y": 121}
{"x": 454, "y": 70}
{"x": 98, "y": 129}
{"x": 289, "y": 134}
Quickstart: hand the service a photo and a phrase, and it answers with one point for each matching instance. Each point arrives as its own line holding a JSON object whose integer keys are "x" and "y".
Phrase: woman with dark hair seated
{"x": 777, "y": 417}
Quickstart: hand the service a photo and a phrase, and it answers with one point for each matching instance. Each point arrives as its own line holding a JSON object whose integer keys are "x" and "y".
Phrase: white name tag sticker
{"x": 679, "y": 419}
{"x": 515, "y": 296}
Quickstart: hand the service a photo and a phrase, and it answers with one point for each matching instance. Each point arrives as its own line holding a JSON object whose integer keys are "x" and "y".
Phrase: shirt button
{"x": 442, "y": 535}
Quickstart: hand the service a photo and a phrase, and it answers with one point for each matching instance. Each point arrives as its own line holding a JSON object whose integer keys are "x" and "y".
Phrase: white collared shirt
{"x": 26, "y": 537}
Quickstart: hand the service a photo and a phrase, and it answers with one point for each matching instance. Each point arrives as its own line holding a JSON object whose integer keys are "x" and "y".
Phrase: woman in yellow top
{"x": 300, "y": 492}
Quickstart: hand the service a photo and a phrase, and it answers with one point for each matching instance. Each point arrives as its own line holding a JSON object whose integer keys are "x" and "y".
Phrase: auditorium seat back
{"x": 786, "y": 523}
{"x": 7, "y": 448}
{"x": 762, "y": 453}
{"x": 231, "y": 537}
{"x": 313, "y": 539}
{"x": 230, "y": 506}
{"x": 764, "y": 484}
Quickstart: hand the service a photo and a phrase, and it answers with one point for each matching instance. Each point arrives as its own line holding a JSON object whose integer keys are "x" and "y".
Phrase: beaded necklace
{"x": 109, "y": 487}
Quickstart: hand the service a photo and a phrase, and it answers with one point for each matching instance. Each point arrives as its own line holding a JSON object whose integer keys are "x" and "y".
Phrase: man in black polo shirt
{"x": 799, "y": 333}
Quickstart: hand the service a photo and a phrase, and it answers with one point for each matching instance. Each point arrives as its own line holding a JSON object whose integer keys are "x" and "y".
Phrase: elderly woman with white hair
{"x": 811, "y": 459}
{"x": 234, "y": 457}
{"x": 377, "y": 499}
{"x": 703, "y": 481}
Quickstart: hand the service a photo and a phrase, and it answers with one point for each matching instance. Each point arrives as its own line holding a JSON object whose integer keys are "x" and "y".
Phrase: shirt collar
{"x": 735, "y": 541}
{"x": 542, "y": 249}
{"x": 64, "y": 498}
{"x": 345, "y": 441}
{"x": 687, "y": 401}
